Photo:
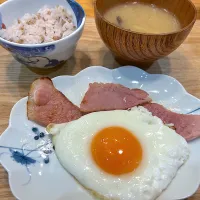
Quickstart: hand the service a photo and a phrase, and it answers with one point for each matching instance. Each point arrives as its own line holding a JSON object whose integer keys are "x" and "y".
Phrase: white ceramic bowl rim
{"x": 48, "y": 43}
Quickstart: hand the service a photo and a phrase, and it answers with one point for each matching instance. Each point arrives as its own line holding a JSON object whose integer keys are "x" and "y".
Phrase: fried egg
{"x": 120, "y": 155}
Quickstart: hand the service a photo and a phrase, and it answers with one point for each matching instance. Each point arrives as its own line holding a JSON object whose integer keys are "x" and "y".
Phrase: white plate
{"x": 23, "y": 156}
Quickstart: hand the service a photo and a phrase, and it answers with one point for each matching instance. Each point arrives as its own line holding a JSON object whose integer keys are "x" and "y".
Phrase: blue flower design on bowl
{"x": 38, "y": 61}
{"x": 28, "y": 51}
{"x": 32, "y": 56}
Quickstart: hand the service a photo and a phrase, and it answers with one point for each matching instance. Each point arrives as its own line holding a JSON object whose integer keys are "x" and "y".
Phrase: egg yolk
{"x": 116, "y": 150}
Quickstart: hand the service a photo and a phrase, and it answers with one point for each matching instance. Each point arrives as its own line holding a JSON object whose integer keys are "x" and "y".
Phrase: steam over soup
{"x": 145, "y": 18}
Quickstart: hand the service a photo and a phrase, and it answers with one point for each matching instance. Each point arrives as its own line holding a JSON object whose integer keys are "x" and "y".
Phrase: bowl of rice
{"x": 41, "y": 34}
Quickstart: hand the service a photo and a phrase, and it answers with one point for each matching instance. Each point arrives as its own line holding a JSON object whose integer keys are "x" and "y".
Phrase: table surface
{"x": 15, "y": 79}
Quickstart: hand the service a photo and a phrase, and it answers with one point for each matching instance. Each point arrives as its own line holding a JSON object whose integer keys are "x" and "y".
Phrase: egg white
{"x": 164, "y": 151}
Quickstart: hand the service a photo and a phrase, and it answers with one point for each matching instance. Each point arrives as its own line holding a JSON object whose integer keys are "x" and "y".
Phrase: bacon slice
{"x": 188, "y": 126}
{"x": 48, "y": 105}
{"x": 110, "y": 96}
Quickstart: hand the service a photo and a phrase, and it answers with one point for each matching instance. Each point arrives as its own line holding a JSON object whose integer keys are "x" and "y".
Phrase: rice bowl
{"x": 46, "y": 54}
{"x": 47, "y": 25}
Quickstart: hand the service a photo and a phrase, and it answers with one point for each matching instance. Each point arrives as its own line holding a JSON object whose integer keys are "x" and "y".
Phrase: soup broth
{"x": 145, "y": 18}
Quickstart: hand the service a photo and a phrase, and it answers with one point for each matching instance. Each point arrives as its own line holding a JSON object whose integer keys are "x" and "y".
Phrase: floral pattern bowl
{"x": 45, "y": 55}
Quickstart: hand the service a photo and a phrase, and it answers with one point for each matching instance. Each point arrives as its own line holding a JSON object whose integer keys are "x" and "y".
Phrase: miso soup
{"x": 145, "y": 18}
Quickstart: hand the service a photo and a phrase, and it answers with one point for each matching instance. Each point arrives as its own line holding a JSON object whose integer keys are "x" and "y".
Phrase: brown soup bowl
{"x": 137, "y": 48}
